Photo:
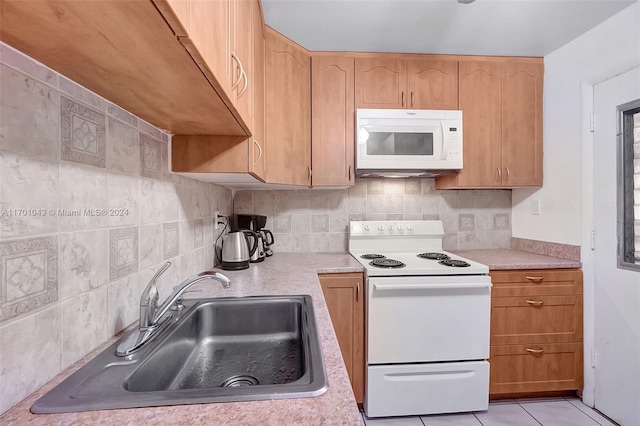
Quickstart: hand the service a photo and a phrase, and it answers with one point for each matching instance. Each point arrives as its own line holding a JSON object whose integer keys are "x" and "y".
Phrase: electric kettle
{"x": 235, "y": 249}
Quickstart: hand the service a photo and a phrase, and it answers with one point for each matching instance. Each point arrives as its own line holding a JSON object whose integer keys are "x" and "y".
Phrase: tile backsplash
{"x": 88, "y": 213}
{"x": 312, "y": 220}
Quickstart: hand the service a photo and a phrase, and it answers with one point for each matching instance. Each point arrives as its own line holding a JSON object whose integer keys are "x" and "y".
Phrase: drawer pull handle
{"x": 536, "y": 302}
{"x": 535, "y": 278}
{"x": 535, "y": 351}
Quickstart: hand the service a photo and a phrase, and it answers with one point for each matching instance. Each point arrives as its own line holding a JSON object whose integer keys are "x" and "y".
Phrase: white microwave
{"x": 404, "y": 143}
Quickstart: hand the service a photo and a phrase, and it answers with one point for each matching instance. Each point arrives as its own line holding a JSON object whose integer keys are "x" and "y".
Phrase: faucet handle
{"x": 224, "y": 280}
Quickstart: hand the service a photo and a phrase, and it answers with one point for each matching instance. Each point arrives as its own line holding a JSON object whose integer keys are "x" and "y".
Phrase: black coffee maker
{"x": 256, "y": 223}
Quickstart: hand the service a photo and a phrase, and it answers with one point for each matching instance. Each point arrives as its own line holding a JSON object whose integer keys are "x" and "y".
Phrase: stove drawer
{"x": 411, "y": 389}
{"x": 426, "y": 319}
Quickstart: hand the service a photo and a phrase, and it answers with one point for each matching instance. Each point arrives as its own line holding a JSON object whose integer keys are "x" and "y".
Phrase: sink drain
{"x": 238, "y": 381}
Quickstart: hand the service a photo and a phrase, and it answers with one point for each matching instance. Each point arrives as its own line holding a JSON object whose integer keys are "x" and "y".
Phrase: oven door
{"x": 428, "y": 319}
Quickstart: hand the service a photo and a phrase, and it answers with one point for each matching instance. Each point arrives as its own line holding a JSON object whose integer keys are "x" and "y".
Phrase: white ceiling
{"x": 485, "y": 27}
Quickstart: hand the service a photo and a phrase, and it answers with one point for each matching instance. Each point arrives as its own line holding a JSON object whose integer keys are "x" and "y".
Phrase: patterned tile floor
{"x": 511, "y": 412}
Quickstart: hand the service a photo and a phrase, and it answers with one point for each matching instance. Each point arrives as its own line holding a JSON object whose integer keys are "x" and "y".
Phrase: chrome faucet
{"x": 154, "y": 317}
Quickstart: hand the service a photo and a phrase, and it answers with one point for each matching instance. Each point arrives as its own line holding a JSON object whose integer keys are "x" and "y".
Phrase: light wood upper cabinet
{"x": 257, "y": 147}
{"x": 502, "y": 118}
{"x": 481, "y": 105}
{"x": 242, "y": 58}
{"x": 522, "y": 124}
{"x": 380, "y": 82}
{"x": 396, "y": 83}
{"x": 344, "y": 296}
{"x": 288, "y": 111}
{"x": 332, "y": 115}
{"x": 432, "y": 84}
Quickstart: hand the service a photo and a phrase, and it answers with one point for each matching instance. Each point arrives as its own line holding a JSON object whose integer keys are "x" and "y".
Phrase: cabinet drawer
{"x": 532, "y": 282}
{"x": 539, "y": 319}
{"x": 535, "y": 368}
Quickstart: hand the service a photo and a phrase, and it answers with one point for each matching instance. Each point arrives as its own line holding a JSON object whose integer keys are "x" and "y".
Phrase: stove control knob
{"x": 390, "y": 227}
{"x": 400, "y": 229}
{"x": 381, "y": 228}
{"x": 410, "y": 229}
{"x": 367, "y": 228}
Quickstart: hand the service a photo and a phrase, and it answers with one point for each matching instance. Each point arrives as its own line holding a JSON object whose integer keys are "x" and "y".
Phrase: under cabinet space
{"x": 215, "y": 154}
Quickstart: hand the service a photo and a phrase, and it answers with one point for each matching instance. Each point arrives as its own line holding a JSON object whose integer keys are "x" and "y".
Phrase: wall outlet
{"x": 535, "y": 207}
{"x": 215, "y": 220}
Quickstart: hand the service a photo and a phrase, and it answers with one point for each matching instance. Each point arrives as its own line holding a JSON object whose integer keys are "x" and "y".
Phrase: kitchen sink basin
{"x": 214, "y": 350}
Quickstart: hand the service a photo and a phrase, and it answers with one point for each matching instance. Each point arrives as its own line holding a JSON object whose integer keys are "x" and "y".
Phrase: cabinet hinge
{"x": 593, "y": 240}
{"x": 593, "y": 357}
{"x": 592, "y": 122}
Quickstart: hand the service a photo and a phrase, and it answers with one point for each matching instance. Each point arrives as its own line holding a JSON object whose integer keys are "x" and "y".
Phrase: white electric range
{"x": 428, "y": 315}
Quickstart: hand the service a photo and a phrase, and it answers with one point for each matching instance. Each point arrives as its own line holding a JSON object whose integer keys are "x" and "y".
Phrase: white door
{"x": 616, "y": 291}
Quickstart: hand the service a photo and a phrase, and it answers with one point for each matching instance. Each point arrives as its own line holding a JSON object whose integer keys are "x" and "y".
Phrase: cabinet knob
{"x": 535, "y": 302}
{"x": 499, "y": 174}
{"x": 535, "y": 351}
{"x": 349, "y": 173}
{"x": 508, "y": 174}
{"x": 402, "y": 96}
{"x": 411, "y": 99}
{"x": 358, "y": 292}
{"x": 536, "y": 279}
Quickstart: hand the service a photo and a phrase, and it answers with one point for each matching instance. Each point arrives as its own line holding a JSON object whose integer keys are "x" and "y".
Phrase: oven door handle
{"x": 400, "y": 287}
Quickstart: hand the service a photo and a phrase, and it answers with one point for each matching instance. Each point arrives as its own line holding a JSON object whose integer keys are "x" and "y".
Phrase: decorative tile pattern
{"x": 150, "y": 157}
{"x": 170, "y": 240}
{"x": 82, "y": 134}
{"x": 123, "y": 252}
{"x": 501, "y": 222}
{"x": 466, "y": 222}
{"x": 29, "y": 275}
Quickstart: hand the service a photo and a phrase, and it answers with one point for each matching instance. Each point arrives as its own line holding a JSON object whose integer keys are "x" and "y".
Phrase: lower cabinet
{"x": 536, "y": 331}
{"x": 344, "y": 295}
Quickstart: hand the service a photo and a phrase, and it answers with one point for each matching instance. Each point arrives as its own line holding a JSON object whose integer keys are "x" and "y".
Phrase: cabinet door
{"x": 480, "y": 102}
{"x": 288, "y": 117}
{"x": 522, "y": 124}
{"x": 257, "y": 146}
{"x": 242, "y": 44}
{"x": 535, "y": 368}
{"x": 332, "y": 116}
{"x": 209, "y": 41}
{"x": 432, "y": 84}
{"x": 381, "y": 83}
{"x": 344, "y": 296}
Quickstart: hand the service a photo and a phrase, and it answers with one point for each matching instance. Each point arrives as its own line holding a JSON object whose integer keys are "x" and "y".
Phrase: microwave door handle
{"x": 445, "y": 142}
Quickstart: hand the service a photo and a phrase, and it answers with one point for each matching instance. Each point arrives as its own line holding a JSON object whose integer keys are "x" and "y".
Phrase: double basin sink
{"x": 214, "y": 350}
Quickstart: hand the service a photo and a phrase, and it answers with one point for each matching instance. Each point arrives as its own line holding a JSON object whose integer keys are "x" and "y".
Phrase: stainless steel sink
{"x": 215, "y": 350}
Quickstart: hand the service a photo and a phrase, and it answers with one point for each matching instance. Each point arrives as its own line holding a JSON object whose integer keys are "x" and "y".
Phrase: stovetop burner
{"x": 387, "y": 263}
{"x": 434, "y": 256}
{"x": 372, "y": 256}
{"x": 454, "y": 263}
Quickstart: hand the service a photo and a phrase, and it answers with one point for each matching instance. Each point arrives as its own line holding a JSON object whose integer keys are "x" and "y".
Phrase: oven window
{"x": 384, "y": 143}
